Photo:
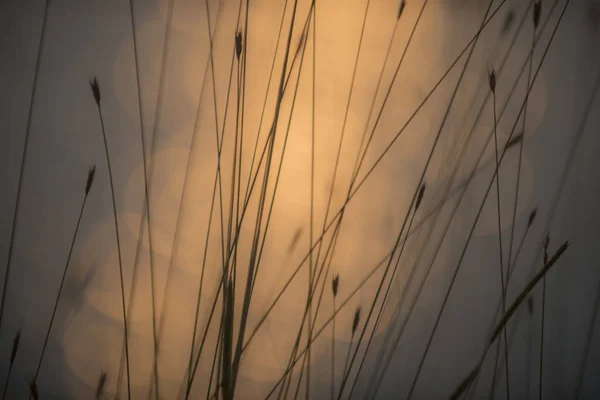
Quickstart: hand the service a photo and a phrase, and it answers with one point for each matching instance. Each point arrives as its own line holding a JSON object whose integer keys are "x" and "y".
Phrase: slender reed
{"x": 554, "y": 203}
{"x": 252, "y": 267}
{"x": 217, "y": 185}
{"x": 546, "y": 244}
{"x": 36, "y": 75}
{"x": 507, "y": 316}
{"x": 334, "y": 288}
{"x": 355, "y": 323}
{"x": 492, "y": 82}
{"x": 146, "y": 161}
{"x": 366, "y": 176}
{"x": 379, "y": 364}
{"x": 311, "y": 265}
{"x": 96, "y": 92}
{"x": 148, "y": 174}
{"x": 33, "y": 390}
{"x": 13, "y": 356}
{"x": 100, "y": 386}
{"x": 384, "y": 302}
{"x": 88, "y": 186}
{"x": 588, "y": 343}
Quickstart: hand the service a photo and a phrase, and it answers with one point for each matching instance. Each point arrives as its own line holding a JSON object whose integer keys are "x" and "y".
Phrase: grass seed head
{"x": 508, "y": 22}
{"x": 335, "y": 284}
{"x": 401, "y": 8}
{"x": 492, "y": 80}
{"x": 238, "y": 44}
{"x": 532, "y": 216}
{"x": 15, "y": 347}
{"x": 514, "y": 141}
{"x": 530, "y": 305}
{"x": 95, "y": 89}
{"x": 546, "y": 243}
{"x": 295, "y": 240}
{"x": 356, "y": 320}
{"x": 90, "y": 179}
{"x": 302, "y": 39}
{"x": 420, "y": 196}
{"x": 33, "y": 390}
{"x": 537, "y": 12}
{"x": 100, "y": 386}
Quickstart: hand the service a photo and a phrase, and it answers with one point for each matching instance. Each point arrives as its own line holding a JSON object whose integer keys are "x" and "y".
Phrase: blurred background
{"x": 350, "y": 107}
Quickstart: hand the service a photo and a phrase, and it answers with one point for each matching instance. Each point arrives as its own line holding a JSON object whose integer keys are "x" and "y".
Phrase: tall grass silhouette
{"x": 265, "y": 154}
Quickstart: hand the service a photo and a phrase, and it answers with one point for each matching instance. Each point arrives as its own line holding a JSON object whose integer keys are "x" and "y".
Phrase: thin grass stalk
{"x": 498, "y": 309}
{"x": 246, "y": 303}
{"x": 570, "y": 158}
{"x": 228, "y": 345}
{"x": 383, "y": 262}
{"x": 338, "y": 154}
{"x": 226, "y": 256}
{"x": 374, "y": 270}
{"x": 456, "y": 271}
{"x": 518, "y": 140}
{"x": 96, "y": 92}
{"x": 327, "y": 261}
{"x": 335, "y": 237}
{"x": 100, "y": 386}
{"x": 146, "y": 161}
{"x": 386, "y": 97}
{"x": 347, "y": 366}
{"x": 529, "y": 348}
{"x": 535, "y": 25}
{"x": 542, "y": 326}
{"x": 218, "y": 181}
{"x": 328, "y": 256}
{"x": 269, "y": 214}
{"x": 510, "y": 312}
{"x": 368, "y": 174}
{"x": 372, "y": 307}
{"x": 36, "y": 75}
{"x": 254, "y": 177}
{"x": 514, "y": 215}
{"x": 13, "y": 356}
{"x": 312, "y": 186}
{"x": 587, "y": 346}
{"x": 147, "y": 177}
{"x": 346, "y": 112}
{"x": 231, "y": 254}
{"x": 216, "y": 361}
{"x": 232, "y": 217}
{"x": 33, "y": 390}
{"x": 341, "y": 215}
{"x": 388, "y": 290}
{"x": 311, "y": 263}
{"x": 336, "y": 226}
{"x": 310, "y": 328}
{"x": 278, "y": 174}
{"x": 89, "y": 182}
{"x": 319, "y": 302}
{"x": 377, "y": 87}
{"x": 503, "y": 286}
{"x": 445, "y": 198}
{"x": 334, "y": 288}
{"x": 341, "y": 210}
{"x": 334, "y": 219}
{"x": 260, "y": 122}
{"x": 422, "y": 179}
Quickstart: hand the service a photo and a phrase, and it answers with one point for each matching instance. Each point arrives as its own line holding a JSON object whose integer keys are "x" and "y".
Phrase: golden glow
{"x": 371, "y": 221}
